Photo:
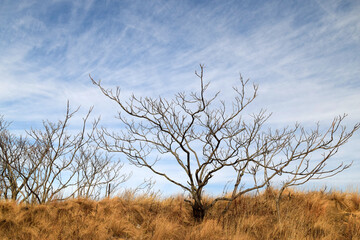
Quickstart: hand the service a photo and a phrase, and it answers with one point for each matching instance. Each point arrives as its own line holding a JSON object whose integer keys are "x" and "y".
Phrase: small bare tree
{"x": 52, "y": 164}
{"x": 203, "y": 137}
{"x": 12, "y": 156}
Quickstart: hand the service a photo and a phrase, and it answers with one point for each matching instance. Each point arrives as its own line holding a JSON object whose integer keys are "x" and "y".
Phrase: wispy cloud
{"x": 304, "y": 55}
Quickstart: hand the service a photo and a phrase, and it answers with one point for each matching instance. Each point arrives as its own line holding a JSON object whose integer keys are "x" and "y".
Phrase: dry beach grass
{"x": 305, "y": 215}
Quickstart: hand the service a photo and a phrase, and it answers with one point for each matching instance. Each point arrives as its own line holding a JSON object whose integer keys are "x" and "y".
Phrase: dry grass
{"x": 311, "y": 215}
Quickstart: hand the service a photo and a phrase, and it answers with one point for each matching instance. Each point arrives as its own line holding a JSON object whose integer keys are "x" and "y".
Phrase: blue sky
{"x": 303, "y": 54}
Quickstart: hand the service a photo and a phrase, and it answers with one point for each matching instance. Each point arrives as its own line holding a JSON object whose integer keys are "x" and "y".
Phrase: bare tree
{"x": 204, "y": 136}
{"x": 12, "y": 155}
{"x": 54, "y": 164}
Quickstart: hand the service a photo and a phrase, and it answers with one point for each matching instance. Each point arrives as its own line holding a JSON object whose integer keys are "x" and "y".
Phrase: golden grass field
{"x": 305, "y": 215}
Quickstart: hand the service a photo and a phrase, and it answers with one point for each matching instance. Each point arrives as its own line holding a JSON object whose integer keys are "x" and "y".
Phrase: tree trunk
{"x": 278, "y": 209}
{"x": 198, "y": 212}
{"x": 277, "y": 201}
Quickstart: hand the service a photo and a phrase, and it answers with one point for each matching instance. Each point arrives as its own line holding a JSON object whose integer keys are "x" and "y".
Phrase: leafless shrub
{"x": 51, "y": 163}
